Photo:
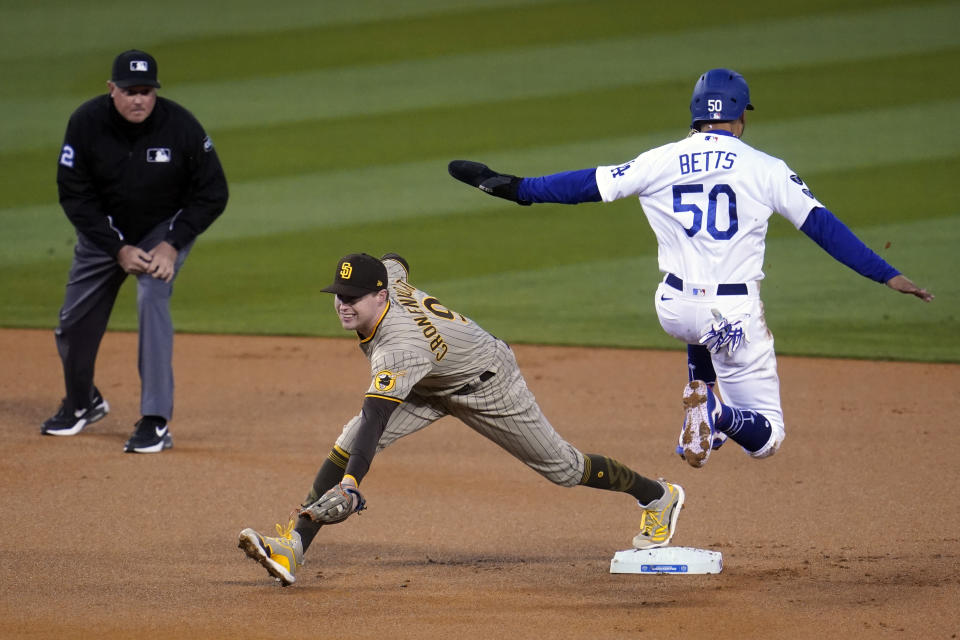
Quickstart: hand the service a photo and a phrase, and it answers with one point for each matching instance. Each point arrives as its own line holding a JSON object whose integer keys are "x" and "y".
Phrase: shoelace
{"x": 649, "y": 522}
{"x": 284, "y": 547}
{"x": 287, "y": 531}
{"x": 650, "y": 519}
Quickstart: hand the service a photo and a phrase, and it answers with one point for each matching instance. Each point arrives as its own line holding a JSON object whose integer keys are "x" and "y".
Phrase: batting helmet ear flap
{"x": 719, "y": 95}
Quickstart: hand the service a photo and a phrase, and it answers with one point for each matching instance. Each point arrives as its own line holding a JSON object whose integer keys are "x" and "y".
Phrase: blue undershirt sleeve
{"x": 567, "y": 187}
{"x": 836, "y": 239}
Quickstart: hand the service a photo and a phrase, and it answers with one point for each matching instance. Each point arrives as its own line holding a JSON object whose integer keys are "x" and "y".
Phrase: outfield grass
{"x": 335, "y": 123}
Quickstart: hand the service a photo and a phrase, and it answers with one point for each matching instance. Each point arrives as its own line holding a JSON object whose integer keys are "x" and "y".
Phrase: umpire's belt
{"x": 737, "y": 289}
{"x": 470, "y": 387}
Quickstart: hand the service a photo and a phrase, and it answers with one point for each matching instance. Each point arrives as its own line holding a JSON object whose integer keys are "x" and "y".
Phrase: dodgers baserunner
{"x": 426, "y": 362}
{"x": 708, "y": 199}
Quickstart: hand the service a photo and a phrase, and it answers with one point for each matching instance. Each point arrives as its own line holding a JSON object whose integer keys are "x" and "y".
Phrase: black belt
{"x": 470, "y": 387}
{"x": 738, "y": 289}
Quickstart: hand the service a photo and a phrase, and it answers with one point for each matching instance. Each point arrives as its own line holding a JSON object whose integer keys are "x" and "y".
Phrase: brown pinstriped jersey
{"x": 419, "y": 344}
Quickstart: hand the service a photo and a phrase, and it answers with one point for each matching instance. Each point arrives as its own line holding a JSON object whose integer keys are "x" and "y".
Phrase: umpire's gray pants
{"x": 92, "y": 287}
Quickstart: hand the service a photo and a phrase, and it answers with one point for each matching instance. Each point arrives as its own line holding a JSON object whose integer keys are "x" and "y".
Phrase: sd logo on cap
{"x": 357, "y": 275}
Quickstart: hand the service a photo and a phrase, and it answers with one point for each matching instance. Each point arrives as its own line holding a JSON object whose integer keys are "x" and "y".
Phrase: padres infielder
{"x": 427, "y": 361}
{"x": 708, "y": 199}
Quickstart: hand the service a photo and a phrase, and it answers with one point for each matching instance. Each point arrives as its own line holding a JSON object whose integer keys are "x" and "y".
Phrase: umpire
{"x": 139, "y": 179}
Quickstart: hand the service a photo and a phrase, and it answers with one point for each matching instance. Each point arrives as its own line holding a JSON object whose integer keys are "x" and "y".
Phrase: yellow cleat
{"x": 659, "y": 519}
{"x": 281, "y": 556}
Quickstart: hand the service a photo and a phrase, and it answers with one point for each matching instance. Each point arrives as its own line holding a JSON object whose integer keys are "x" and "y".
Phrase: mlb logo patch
{"x": 699, "y": 292}
{"x": 139, "y": 65}
{"x": 160, "y": 154}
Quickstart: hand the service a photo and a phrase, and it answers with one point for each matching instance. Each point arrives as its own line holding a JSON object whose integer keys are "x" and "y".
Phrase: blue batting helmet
{"x": 720, "y": 94}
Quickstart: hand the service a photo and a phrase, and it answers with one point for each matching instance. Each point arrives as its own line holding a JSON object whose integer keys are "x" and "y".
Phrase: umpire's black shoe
{"x": 151, "y": 435}
{"x": 70, "y": 422}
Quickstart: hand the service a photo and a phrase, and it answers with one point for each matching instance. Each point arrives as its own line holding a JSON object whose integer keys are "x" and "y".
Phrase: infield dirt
{"x": 851, "y": 530}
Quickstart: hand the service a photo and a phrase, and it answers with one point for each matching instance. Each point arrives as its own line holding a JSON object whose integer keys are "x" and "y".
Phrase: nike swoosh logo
{"x": 664, "y": 298}
{"x": 160, "y": 431}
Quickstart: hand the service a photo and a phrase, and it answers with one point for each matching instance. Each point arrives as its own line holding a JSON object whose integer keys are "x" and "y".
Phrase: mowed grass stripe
{"x": 862, "y": 198}
{"x": 68, "y": 30}
{"x": 336, "y": 199}
{"x": 564, "y": 275}
{"x": 542, "y": 71}
{"x": 270, "y": 44}
{"x": 817, "y": 306}
{"x": 578, "y": 116}
{"x": 891, "y": 193}
{"x": 606, "y": 301}
{"x": 321, "y": 145}
{"x": 899, "y": 173}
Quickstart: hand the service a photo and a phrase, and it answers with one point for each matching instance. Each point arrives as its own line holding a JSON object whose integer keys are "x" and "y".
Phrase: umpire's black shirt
{"x": 118, "y": 179}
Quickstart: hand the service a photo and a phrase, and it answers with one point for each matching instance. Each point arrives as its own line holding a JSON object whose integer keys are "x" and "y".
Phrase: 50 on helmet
{"x": 719, "y": 95}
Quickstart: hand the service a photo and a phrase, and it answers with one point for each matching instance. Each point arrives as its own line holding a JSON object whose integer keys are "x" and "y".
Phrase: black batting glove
{"x": 484, "y": 178}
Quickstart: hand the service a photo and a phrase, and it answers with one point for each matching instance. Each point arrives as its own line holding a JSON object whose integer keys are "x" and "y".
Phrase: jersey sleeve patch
{"x": 384, "y": 380}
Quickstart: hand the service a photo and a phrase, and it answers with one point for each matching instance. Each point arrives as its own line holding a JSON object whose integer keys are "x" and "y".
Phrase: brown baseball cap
{"x": 357, "y": 275}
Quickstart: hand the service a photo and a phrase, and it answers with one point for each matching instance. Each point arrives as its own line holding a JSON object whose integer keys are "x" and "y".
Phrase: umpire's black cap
{"x": 357, "y": 275}
{"x": 134, "y": 68}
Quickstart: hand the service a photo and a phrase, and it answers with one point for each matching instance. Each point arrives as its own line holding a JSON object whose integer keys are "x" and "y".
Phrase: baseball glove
{"x": 484, "y": 178}
{"x": 336, "y": 505}
{"x": 398, "y": 258}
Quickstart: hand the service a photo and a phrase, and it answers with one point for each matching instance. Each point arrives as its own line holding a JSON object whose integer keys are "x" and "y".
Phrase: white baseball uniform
{"x": 708, "y": 199}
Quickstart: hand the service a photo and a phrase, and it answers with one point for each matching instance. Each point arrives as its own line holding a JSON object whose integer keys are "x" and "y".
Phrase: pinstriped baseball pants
{"x": 502, "y": 409}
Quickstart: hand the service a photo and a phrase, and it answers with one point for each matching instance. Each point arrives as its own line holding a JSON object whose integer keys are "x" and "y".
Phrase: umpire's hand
{"x": 158, "y": 262}
{"x": 133, "y": 259}
{"x": 163, "y": 257}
